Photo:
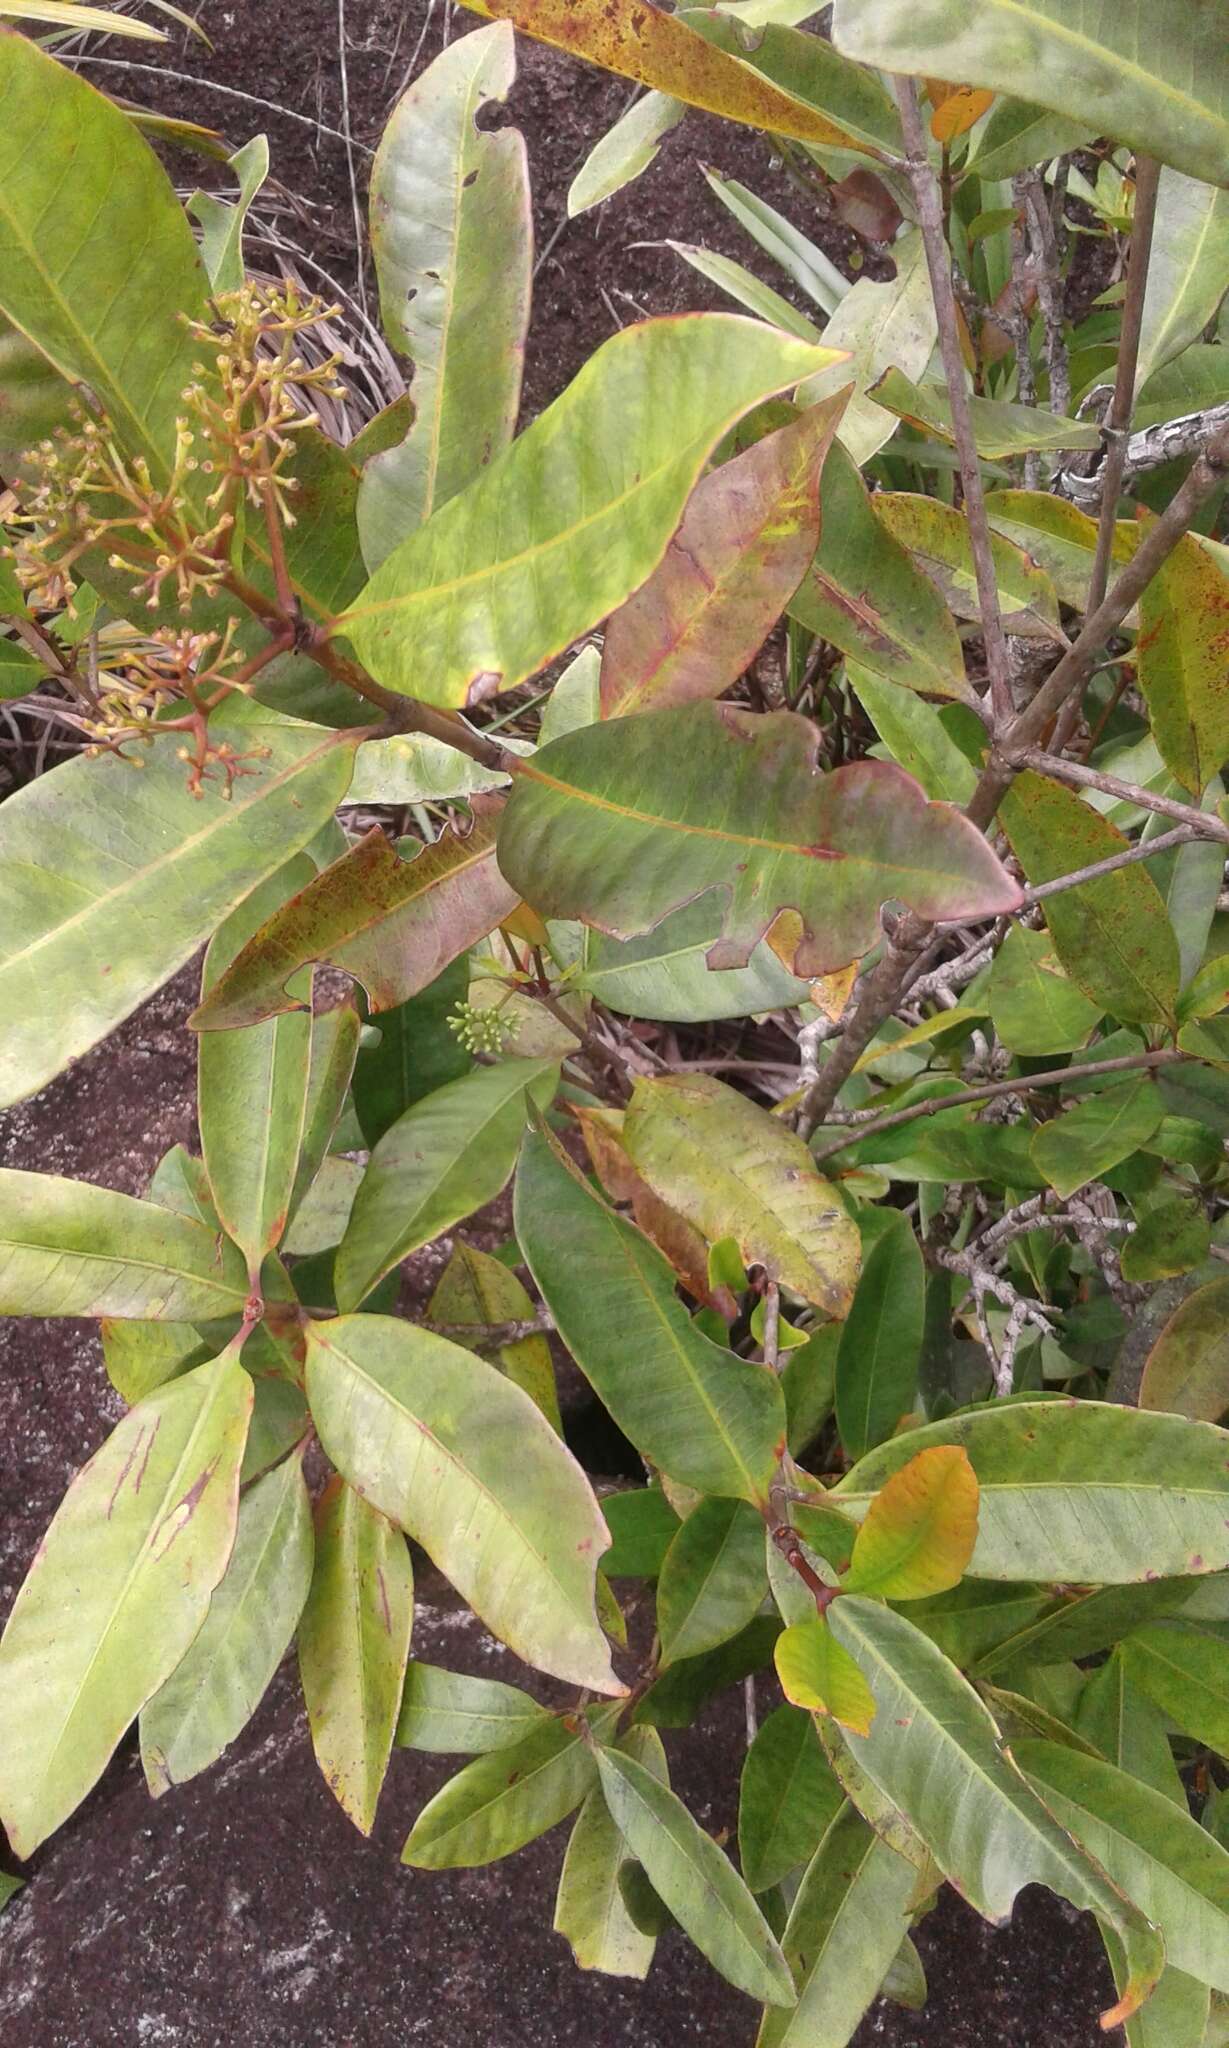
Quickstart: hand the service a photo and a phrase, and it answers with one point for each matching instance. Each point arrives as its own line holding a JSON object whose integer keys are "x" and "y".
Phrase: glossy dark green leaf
{"x": 787, "y": 1797}
{"x": 451, "y": 1714}
{"x": 694, "y": 1879}
{"x": 417, "y": 1054}
{"x": 881, "y": 1342}
{"x": 712, "y": 1578}
{"x": 705, "y": 1417}
{"x": 509, "y": 1797}
{"x": 642, "y": 1527}
{"x": 847, "y": 1923}
{"x": 674, "y": 1699}
{"x": 447, "y": 1156}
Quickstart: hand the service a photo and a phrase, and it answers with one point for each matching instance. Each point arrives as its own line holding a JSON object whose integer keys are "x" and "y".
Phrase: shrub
{"x": 900, "y": 740}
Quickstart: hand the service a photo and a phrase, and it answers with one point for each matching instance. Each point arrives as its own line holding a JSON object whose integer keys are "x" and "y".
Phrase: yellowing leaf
{"x": 919, "y": 1533}
{"x": 734, "y": 1171}
{"x": 960, "y": 108}
{"x": 815, "y": 1672}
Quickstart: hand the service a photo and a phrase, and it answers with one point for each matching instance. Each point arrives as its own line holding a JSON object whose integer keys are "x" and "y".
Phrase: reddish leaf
{"x": 745, "y": 543}
{"x": 393, "y": 924}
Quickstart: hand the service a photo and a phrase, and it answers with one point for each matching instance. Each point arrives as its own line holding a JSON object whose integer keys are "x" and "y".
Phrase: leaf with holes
{"x": 619, "y": 824}
{"x": 452, "y": 239}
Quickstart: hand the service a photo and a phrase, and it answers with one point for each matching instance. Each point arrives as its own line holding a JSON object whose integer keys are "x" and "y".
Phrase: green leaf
{"x": 938, "y": 536}
{"x": 619, "y": 824}
{"x": 20, "y": 671}
{"x": 1199, "y": 377}
{"x": 97, "y": 268}
{"x": 422, "y": 1429}
{"x": 1081, "y": 1623}
{"x": 880, "y": 324}
{"x": 919, "y": 1533}
{"x": 1112, "y": 934}
{"x": 735, "y": 1171}
{"x": 330, "y": 1066}
{"x": 452, "y": 240}
{"x": 508, "y": 1798}
{"x": 394, "y": 923}
{"x": 623, "y": 153}
{"x": 675, "y": 1699}
{"x": 1173, "y": 1237}
{"x": 642, "y": 1527}
{"x": 447, "y": 1156}
{"x": 68, "y": 1248}
{"x": 475, "y": 601}
{"x": 1176, "y": 2014}
{"x": 970, "y": 1620}
{"x": 743, "y": 286}
{"x": 119, "y": 1588}
{"x": 416, "y": 1054}
{"x": 1118, "y": 1717}
{"x": 475, "y": 1289}
{"x": 694, "y": 1880}
{"x": 1033, "y": 1006}
{"x": 1097, "y": 1134}
{"x": 1016, "y": 134}
{"x": 847, "y": 1923}
{"x": 212, "y": 1695}
{"x": 853, "y": 99}
{"x": 1077, "y": 1491}
{"x": 664, "y": 975}
{"x": 1159, "y": 1857}
{"x": 1186, "y": 272}
{"x": 449, "y": 1713}
{"x": 712, "y": 1578}
{"x": 999, "y": 429}
{"x": 1187, "y": 1369}
{"x": 783, "y": 243}
{"x": 1156, "y": 82}
{"x": 140, "y": 1357}
{"x": 816, "y": 1672}
{"x": 252, "y": 1090}
{"x": 933, "y": 1750}
{"x": 1180, "y": 659}
{"x": 590, "y": 1911}
{"x": 866, "y": 594}
{"x": 107, "y": 895}
{"x": 1182, "y": 1669}
{"x": 415, "y": 768}
{"x": 705, "y": 1417}
{"x": 746, "y": 538}
{"x": 354, "y": 1641}
{"x": 881, "y": 1344}
{"x": 808, "y": 1381}
{"x": 916, "y": 736}
{"x": 787, "y": 1798}
{"x": 222, "y": 222}
{"x": 662, "y": 51}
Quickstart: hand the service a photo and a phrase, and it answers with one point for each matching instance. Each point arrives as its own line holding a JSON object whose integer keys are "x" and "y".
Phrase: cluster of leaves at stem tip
{"x": 770, "y": 811}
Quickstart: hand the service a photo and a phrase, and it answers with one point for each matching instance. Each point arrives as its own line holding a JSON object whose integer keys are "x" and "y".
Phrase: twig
{"x": 1200, "y": 824}
{"x": 1118, "y": 422}
{"x": 1150, "y": 448}
{"x": 772, "y": 1327}
{"x": 231, "y": 92}
{"x": 1023, "y": 1312}
{"x": 939, "y": 264}
{"x": 1048, "y": 276}
{"x": 1181, "y": 835}
{"x": 871, "y": 1126}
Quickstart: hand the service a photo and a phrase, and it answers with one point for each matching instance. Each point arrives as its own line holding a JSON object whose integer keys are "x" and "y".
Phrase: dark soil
{"x": 245, "y": 1907}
